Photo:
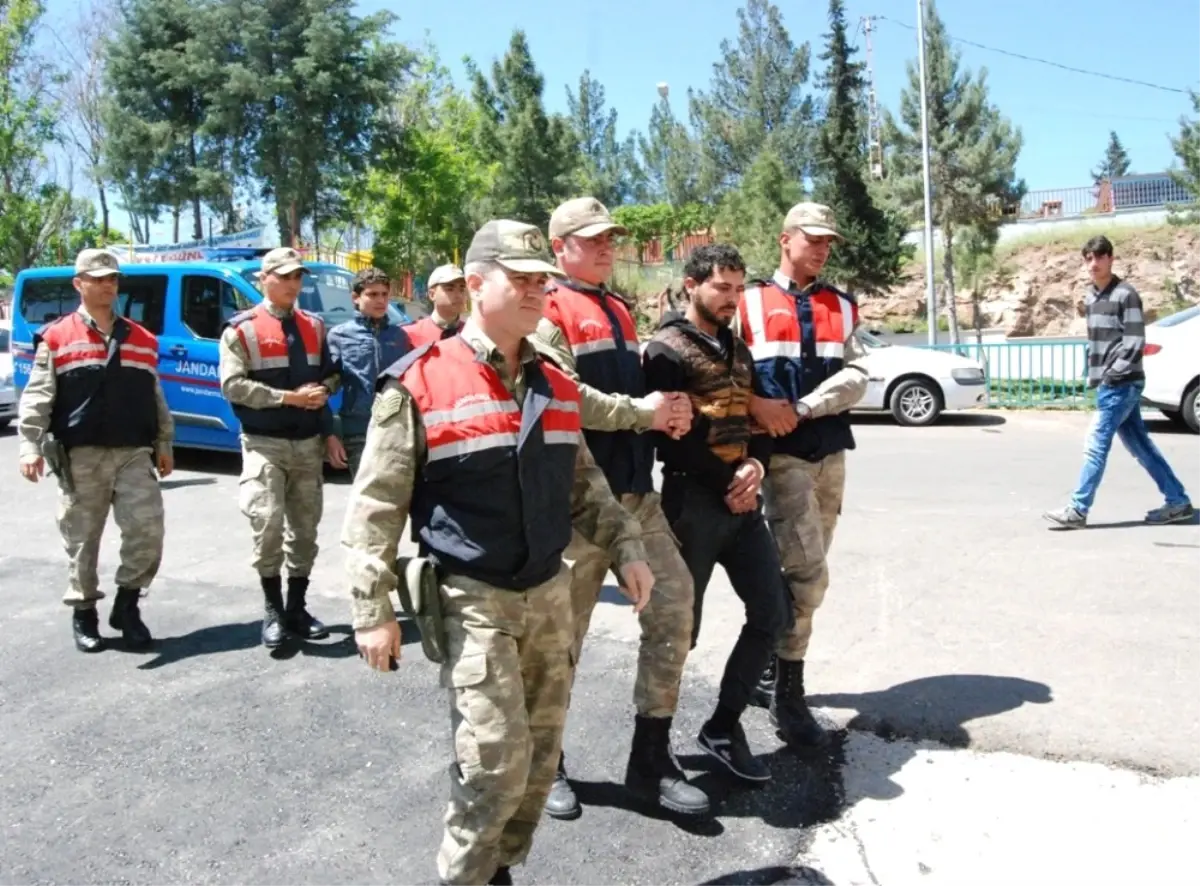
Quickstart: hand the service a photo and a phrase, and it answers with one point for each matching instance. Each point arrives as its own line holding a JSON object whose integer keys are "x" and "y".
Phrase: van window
{"x": 328, "y": 292}
{"x": 208, "y": 304}
{"x": 141, "y": 299}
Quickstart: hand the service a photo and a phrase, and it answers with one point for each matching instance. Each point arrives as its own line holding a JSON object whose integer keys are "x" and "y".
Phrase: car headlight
{"x": 6, "y": 380}
{"x": 967, "y": 375}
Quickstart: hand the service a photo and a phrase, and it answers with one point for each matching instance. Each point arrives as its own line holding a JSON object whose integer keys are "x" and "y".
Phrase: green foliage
{"x": 602, "y": 171}
{"x": 751, "y": 217}
{"x": 670, "y": 160}
{"x": 669, "y": 224}
{"x": 421, "y": 194}
{"x": 1115, "y": 162}
{"x": 873, "y": 255}
{"x": 1187, "y": 150}
{"x": 535, "y": 154}
{"x": 756, "y": 101}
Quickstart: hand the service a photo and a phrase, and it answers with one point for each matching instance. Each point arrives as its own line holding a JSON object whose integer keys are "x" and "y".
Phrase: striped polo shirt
{"x": 1116, "y": 334}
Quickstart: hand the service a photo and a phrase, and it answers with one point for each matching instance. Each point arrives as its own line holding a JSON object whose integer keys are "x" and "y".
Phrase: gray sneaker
{"x": 1066, "y": 518}
{"x": 1171, "y": 514}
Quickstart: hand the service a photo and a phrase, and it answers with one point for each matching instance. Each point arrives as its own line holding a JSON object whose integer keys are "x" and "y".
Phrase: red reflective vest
{"x": 603, "y": 339}
{"x": 274, "y": 363}
{"x": 98, "y": 401}
{"x": 426, "y": 330}
{"x": 798, "y": 340}
{"x": 493, "y": 498}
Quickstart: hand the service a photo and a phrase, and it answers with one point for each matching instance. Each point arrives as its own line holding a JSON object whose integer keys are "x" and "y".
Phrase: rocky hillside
{"x": 1038, "y": 285}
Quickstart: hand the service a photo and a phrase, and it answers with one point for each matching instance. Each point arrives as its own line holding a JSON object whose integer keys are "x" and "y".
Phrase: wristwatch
{"x": 803, "y": 411}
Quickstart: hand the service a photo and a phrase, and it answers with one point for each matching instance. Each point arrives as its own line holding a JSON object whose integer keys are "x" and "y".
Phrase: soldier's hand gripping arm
{"x": 843, "y": 389}
{"x": 598, "y": 411}
{"x": 375, "y": 518}
{"x": 236, "y": 384}
{"x": 603, "y": 521}
{"x": 33, "y": 416}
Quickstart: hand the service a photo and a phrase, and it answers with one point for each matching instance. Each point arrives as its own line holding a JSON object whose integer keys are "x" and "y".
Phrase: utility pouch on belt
{"x": 421, "y": 598}
{"x": 58, "y": 462}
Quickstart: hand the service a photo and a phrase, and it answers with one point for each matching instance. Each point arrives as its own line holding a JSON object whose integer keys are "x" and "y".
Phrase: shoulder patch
{"x": 388, "y": 403}
{"x": 398, "y": 368}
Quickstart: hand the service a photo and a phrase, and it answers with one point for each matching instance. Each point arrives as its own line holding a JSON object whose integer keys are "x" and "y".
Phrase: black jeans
{"x": 709, "y": 534}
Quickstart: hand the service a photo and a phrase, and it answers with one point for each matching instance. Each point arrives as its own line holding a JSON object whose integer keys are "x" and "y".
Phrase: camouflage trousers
{"x": 281, "y": 492}
{"x": 666, "y": 621}
{"x": 508, "y": 669}
{"x": 123, "y": 480}
{"x": 803, "y": 500}
{"x": 354, "y": 444}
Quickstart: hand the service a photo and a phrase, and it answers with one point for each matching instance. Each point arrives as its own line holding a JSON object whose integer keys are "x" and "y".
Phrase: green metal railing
{"x": 1037, "y": 374}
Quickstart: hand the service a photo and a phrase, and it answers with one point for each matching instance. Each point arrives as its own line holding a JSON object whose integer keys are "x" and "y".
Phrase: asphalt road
{"x": 954, "y": 615}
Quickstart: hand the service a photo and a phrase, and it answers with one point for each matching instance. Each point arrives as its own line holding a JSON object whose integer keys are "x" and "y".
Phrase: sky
{"x": 632, "y": 45}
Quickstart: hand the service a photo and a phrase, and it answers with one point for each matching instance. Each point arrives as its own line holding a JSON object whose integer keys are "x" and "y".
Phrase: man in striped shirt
{"x": 1116, "y": 341}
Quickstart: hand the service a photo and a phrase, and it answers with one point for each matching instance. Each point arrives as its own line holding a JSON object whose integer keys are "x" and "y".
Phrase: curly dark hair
{"x": 706, "y": 259}
{"x": 368, "y": 277}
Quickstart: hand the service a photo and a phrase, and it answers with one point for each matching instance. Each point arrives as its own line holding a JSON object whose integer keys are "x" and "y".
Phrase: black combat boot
{"x": 562, "y": 802}
{"x": 297, "y": 619}
{"x": 653, "y": 775}
{"x": 763, "y": 694}
{"x": 272, "y": 628}
{"x": 790, "y": 712}
{"x": 502, "y": 877}
{"x": 85, "y": 624}
{"x": 127, "y": 619}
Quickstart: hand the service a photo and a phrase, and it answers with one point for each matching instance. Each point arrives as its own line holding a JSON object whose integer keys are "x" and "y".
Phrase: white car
{"x": 916, "y": 385}
{"x": 1172, "y": 367}
{"x": 8, "y": 393}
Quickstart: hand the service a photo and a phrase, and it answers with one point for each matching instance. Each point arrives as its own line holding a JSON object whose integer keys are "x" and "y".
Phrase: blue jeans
{"x": 1118, "y": 414}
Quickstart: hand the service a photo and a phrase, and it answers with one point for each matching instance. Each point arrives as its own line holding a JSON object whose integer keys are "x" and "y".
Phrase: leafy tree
{"x": 663, "y": 222}
{"x": 874, "y": 253}
{"x": 33, "y": 209}
{"x": 1115, "y": 163}
{"x": 670, "y": 159}
{"x": 973, "y": 147}
{"x": 1187, "y": 149}
{"x": 303, "y": 90}
{"x": 535, "y": 152}
{"x": 752, "y": 214}
{"x": 756, "y": 100}
{"x": 601, "y": 172}
{"x": 422, "y": 193}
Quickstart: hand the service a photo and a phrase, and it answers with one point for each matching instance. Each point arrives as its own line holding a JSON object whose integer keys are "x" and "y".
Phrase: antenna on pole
{"x": 874, "y": 124}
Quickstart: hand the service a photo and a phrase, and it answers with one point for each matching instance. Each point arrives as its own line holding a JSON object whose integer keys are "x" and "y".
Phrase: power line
{"x": 1042, "y": 61}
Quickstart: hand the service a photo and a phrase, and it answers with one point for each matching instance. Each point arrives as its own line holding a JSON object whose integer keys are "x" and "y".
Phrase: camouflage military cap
{"x": 96, "y": 263}
{"x": 813, "y": 219}
{"x": 514, "y": 246}
{"x": 583, "y": 217}
{"x": 283, "y": 260}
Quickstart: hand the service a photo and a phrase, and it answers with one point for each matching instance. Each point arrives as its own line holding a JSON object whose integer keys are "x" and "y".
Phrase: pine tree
{"x": 1115, "y": 163}
{"x": 752, "y": 214}
{"x": 670, "y": 160}
{"x": 973, "y": 148}
{"x": 536, "y": 152}
{"x": 601, "y": 173}
{"x": 873, "y": 253}
{"x": 1187, "y": 149}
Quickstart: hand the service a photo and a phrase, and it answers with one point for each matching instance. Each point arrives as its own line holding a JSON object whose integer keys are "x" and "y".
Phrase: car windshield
{"x": 1179, "y": 317}
{"x": 872, "y": 341}
{"x": 327, "y": 291}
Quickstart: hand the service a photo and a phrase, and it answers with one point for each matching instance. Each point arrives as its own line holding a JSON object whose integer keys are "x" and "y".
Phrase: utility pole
{"x": 874, "y": 124}
{"x": 930, "y": 291}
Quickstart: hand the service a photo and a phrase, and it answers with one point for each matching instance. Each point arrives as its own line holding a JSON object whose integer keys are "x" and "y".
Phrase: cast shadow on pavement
{"x": 773, "y": 876}
{"x": 216, "y": 639}
{"x": 186, "y": 481}
{"x": 971, "y": 419}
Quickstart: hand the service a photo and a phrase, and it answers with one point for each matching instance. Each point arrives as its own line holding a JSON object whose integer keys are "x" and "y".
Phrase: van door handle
{"x": 178, "y": 351}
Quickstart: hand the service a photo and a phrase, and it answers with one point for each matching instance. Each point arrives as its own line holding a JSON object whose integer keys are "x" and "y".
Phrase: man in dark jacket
{"x": 362, "y": 348}
{"x": 711, "y": 481}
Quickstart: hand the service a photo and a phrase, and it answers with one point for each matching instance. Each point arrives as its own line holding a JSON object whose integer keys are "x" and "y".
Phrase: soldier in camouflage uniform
{"x": 800, "y": 330}
{"x": 589, "y": 331}
{"x": 277, "y": 371}
{"x": 94, "y": 389}
{"x": 466, "y": 433}
{"x": 711, "y": 482}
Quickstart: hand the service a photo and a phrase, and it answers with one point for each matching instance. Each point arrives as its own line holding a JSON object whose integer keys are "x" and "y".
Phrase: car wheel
{"x": 916, "y": 402}
{"x": 1191, "y": 408}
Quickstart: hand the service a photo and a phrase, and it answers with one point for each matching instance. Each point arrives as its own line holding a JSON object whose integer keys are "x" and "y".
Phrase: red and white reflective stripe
{"x": 847, "y": 318}
{"x": 755, "y": 316}
{"x": 830, "y": 350}
{"x": 467, "y": 411}
{"x": 561, "y": 438}
{"x": 139, "y": 357}
{"x": 768, "y": 350}
{"x": 77, "y": 355}
{"x": 469, "y": 445}
{"x": 595, "y": 346}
